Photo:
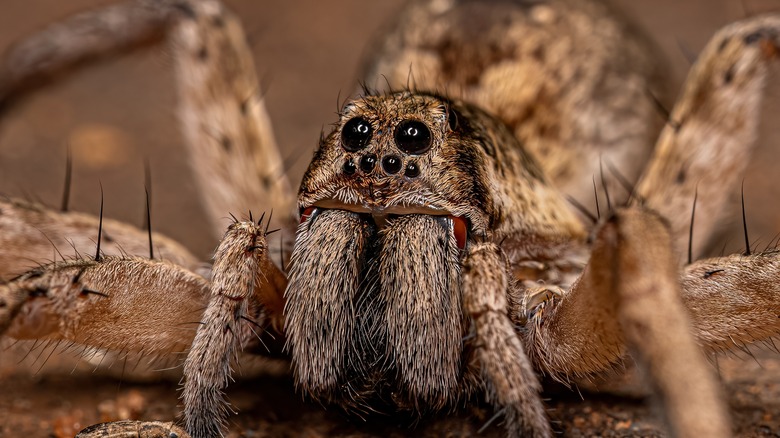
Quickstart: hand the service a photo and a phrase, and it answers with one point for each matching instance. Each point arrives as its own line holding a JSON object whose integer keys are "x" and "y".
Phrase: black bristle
{"x": 690, "y": 231}
{"x": 68, "y": 175}
{"x": 596, "y": 195}
{"x": 659, "y": 106}
{"x": 744, "y": 221}
{"x": 86, "y": 291}
{"x": 604, "y": 185}
{"x": 148, "y": 186}
{"x": 630, "y": 189}
{"x": 267, "y": 224}
{"x": 100, "y": 226}
{"x": 149, "y": 222}
{"x": 582, "y": 209}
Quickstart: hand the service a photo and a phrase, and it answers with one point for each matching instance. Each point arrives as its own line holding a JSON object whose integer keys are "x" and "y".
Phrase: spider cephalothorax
{"x": 392, "y": 198}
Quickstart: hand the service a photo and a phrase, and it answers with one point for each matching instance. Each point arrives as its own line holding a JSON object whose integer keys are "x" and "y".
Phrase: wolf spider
{"x": 436, "y": 258}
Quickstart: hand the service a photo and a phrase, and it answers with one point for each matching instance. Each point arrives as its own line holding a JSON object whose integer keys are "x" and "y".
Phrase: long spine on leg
{"x": 224, "y": 120}
{"x": 81, "y": 38}
{"x": 511, "y": 380}
{"x": 33, "y": 230}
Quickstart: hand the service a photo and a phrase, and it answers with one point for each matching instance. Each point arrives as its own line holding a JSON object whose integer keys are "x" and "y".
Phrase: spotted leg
{"x": 704, "y": 150}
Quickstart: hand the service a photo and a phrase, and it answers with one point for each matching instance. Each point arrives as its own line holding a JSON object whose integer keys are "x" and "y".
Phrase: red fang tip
{"x": 306, "y": 213}
{"x": 459, "y": 228}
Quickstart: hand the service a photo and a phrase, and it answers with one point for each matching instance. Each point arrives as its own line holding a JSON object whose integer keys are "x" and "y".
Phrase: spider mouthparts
{"x": 458, "y": 224}
{"x": 460, "y": 230}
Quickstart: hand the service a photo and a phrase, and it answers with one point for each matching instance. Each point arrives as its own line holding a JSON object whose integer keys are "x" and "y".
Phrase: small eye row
{"x": 411, "y": 136}
{"x": 391, "y": 164}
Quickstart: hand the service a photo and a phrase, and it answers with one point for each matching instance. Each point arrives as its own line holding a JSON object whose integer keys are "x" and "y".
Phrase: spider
{"x": 435, "y": 257}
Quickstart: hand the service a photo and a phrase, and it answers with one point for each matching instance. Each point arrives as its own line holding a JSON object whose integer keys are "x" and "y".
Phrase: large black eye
{"x": 413, "y": 137}
{"x": 356, "y": 134}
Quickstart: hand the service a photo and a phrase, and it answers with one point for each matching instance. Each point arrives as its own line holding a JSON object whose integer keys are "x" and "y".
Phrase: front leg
{"x": 629, "y": 297}
{"x": 241, "y": 266}
{"x": 644, "y": 280}
{"x": 121, "y": 304}
{"x": 510, "y": 377}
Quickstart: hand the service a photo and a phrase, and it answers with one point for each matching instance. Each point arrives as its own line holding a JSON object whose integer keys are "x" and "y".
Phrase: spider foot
{"x": 537, "y": 299}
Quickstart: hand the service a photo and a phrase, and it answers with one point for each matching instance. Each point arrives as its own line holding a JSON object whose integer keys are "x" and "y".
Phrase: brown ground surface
{"x": 307, "y": 51}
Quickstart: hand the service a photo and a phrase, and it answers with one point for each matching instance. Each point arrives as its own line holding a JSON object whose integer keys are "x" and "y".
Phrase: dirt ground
{"x": 307, "y": 52}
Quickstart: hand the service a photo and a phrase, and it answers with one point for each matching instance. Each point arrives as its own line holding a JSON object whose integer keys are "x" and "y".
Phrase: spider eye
{"x": 356, "y": 134}
{"x": 413, "y": 137}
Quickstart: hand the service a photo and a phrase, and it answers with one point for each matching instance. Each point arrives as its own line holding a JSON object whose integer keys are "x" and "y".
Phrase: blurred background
{"x": 120, "y": 112}
{"x": 117, "y": 113}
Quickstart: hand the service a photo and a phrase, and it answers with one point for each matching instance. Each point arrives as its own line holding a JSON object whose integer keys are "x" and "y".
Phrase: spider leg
{"x": 140, "y": 429}
{"x": 32, "y": 233}
{"x": 126, "y": 304}
{"x": 153, "y": 307}
{"x": 223, "y": 118}
{"x": 629, "y": 298}
{"x": 241, "y": 264}
{"x": 733, "y": 300}
{"x": 75, "y": 41}
{"x": 224, "y": 121}
{"x": 706, "y": 145}
{"x": 512, "y": 383}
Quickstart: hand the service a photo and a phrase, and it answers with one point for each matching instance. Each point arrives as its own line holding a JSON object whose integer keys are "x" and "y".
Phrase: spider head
{"x": 392, "y": 198}
{"x": 403, "y": 154}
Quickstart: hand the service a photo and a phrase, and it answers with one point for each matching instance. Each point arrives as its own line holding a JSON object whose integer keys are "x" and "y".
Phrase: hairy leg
{"x": 705, "y": 147}
{"x": 135, "y": 429}
{"x": 78, "y": 40}
{"x": 512, "y": 383}
{"x": 657, "y": 327}
{"x": 31, "y": 234}
{"x": 228, "y": 132}
{"x": 151, "y": 307}
{"x": 125, "y": 304}
{"x": 629, "y": 298}
{"x": 241, "y": 265}
{"x": 733, "y": 300}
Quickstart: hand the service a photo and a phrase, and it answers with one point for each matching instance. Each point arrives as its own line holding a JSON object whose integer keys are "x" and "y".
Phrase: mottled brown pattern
{"x": 467, "y": 273}
{"x": 574, "y": 84}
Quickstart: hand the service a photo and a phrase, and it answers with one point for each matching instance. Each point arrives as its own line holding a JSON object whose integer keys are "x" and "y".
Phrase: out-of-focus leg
{"x": 629, "y": 300}
{"x": 707, "y": 143}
